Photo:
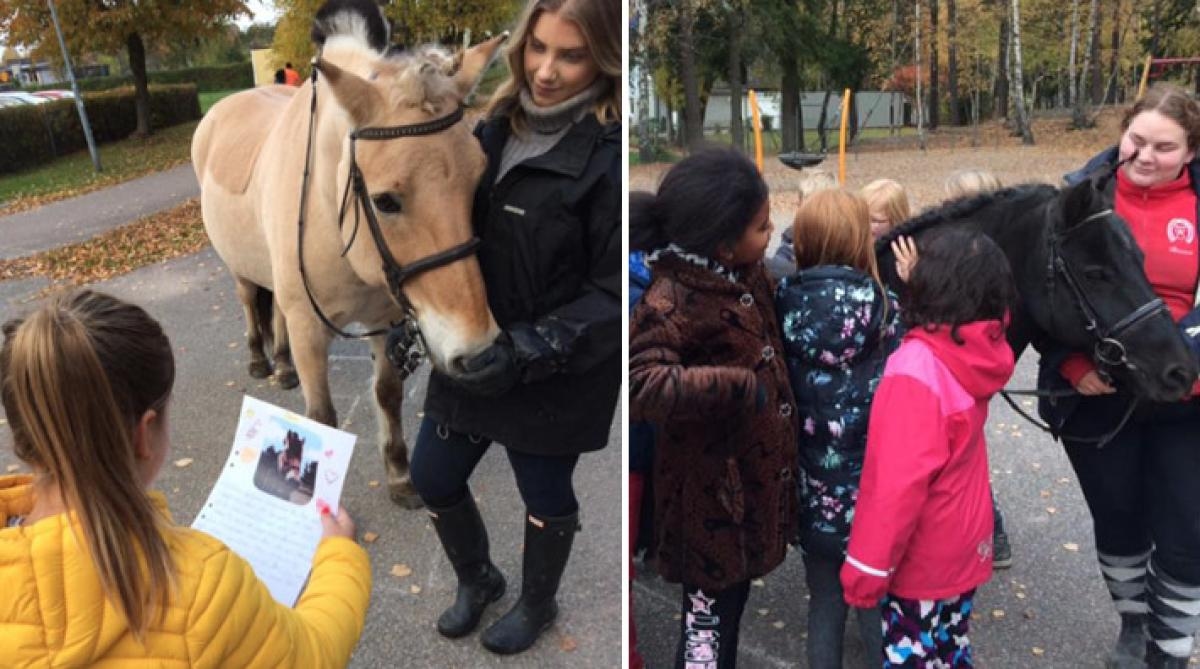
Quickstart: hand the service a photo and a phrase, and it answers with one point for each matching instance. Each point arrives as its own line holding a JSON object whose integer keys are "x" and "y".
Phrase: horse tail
{"x": 264, "y": 303}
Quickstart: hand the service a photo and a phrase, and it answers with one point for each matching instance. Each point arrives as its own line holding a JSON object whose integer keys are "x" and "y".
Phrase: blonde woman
{"x": 94, "y": 570}
{"x": 888, "y": 203}
{"x": 548, "y": 212}
{"x": 970, "y": 182}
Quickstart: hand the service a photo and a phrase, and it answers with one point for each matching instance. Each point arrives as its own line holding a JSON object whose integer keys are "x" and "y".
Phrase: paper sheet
{"x": 265, "y": 505}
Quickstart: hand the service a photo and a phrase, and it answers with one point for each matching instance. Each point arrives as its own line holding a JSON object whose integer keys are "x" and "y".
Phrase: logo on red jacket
{"x": 1180, "y": 229}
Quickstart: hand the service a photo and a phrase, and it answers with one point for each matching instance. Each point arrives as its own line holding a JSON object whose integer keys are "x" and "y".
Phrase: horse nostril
{"x": 1180, "y": 376}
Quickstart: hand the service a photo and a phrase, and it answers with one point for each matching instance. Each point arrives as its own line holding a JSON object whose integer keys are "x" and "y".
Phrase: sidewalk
{"x": 79, "y": 218}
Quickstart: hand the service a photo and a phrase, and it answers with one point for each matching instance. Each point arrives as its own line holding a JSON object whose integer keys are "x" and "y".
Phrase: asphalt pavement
{"x": 194, "y": 299}
{"x": 79, "y": 218}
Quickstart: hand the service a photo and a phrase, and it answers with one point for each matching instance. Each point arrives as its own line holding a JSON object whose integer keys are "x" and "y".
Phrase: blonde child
{"x": 839, "y": 326}
{"x": 94, "y": 569}
{"x": 705, "y": 369}
{"x": 922, "y": 535}
{"x": 970, "y": 182}
{"x": 888, "y": 203}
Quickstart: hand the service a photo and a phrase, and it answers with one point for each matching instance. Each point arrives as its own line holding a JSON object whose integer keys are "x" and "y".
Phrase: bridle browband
{"x": 1108, "y": 351}
{"x": 410, "y": 337}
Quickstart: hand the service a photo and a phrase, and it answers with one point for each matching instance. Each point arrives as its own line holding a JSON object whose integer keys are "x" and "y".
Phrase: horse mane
{"x": 354, "y": 35}
{"x": 965, "y": 207}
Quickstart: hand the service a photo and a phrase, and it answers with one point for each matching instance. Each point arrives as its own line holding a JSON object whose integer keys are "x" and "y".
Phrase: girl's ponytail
{"x": 76, "y": 377}
{"x": 646, "y": 231}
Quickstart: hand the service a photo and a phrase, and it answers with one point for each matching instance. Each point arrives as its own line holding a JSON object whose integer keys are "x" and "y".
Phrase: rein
{"x": 406, "y": 347}
{"x": 1100, "y": 441}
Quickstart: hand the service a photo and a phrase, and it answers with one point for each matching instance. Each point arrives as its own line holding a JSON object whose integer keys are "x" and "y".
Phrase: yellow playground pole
{"x": 842, "y": 138}
{"x": 1145, "y": 78}
{"x": 758, "y": 151}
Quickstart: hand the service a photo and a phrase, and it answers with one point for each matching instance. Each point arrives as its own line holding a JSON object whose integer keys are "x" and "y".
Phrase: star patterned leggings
{"x": 927, "y": 634}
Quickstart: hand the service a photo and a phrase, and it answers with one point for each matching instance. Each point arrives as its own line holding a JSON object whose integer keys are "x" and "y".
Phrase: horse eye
{"x": 388, "y": 203}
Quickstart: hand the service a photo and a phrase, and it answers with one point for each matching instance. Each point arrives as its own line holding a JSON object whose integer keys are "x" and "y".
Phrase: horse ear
{"x": 354, "y": 93}
{"x": 1077, "y": 202}
{"x": 467, "y": 66}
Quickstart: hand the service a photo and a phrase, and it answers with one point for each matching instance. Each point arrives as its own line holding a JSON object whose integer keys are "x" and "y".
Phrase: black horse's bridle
{"x": 411, "y": 347}
{"x": 1108, "y": 351}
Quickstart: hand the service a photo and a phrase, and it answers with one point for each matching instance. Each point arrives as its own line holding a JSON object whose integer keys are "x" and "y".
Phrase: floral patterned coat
{"x": 837, "y": 338}
{"x": 704, "y": 368}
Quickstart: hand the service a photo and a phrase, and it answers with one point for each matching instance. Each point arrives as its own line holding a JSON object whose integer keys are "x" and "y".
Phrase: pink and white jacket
{"x": 923, "y": 525}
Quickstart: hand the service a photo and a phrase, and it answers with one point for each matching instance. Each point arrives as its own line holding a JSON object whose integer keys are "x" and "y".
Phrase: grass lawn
{"x": 209, "y": 98}
{"x": 73, "y": 175}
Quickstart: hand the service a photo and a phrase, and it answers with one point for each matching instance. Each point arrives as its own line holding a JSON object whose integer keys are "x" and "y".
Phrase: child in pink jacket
{"x": 921, "y": 541}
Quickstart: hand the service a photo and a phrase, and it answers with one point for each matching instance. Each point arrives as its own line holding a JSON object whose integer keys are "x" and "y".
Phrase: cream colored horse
{"x": 249, "y": 156}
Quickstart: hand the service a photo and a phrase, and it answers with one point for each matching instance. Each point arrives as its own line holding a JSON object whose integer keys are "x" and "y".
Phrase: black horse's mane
{"x": 962, "y": 208}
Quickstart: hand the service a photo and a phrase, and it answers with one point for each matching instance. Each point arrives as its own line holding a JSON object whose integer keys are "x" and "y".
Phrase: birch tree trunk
{"x": 952, "y": 61}
{"x": 1071, "y": 68}
{"x": 1017, "y": 76}
{"x": 1079, "y": 115}
{"x": 917, "y": 58}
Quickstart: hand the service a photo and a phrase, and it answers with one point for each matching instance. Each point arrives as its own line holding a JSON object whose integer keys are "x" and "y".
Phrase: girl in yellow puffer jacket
{"x": 95, "y": 573}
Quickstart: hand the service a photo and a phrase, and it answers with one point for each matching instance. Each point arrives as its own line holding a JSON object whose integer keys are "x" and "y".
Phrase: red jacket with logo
{"x": 923, "y": 525}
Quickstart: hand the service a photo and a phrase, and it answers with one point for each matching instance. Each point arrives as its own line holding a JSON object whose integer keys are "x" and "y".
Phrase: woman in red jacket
{"x": 1141, "y": 486}
{"x": 921, "y": 540}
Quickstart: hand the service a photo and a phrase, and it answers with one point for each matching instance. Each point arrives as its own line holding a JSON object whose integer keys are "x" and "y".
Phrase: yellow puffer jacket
{"x": 54, "y": 614}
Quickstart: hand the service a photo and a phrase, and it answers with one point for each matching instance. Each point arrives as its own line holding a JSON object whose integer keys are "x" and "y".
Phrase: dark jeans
{"x": 443, "y": 460}
{"x": 827, "y": 610}
{"x": 1141, "y": 487}
{"x": 709, "y": 626}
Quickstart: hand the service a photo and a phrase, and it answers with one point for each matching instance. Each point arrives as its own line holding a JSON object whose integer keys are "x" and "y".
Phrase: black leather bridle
{"x": 411, "y": 348}
{"x": 1108, "y": 351}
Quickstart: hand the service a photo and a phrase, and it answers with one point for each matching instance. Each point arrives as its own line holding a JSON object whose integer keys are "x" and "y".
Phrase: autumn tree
{"x": 114, "y": 25}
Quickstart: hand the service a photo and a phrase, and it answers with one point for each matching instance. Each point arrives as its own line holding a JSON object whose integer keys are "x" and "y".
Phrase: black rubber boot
{"x": 1130, "y": 651}
{"x": 480, "y": 583}
{"x": 547, "y": 547}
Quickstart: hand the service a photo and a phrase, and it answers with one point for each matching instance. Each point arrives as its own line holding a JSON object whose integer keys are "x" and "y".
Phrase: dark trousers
{"x": 709, "y": 627}
{"x": 1141, "y": 487}
{"x": 443, "y": 460}
{"x": 827, "y": 611}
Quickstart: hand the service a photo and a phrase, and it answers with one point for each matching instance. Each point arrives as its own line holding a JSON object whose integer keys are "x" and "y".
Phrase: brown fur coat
{"x": 706, "y": 368}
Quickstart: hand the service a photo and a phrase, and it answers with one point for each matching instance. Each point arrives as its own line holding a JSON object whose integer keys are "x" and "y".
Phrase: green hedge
{"x": 35, "y": 134}
{"x": 209, "y": 78}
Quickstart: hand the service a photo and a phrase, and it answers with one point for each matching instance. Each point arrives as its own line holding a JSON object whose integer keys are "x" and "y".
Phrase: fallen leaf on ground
{"x": 1020, "y": 595}
{"x": 1071, "y": 546}
{"x": 370, "y": 537}
{"x": 231, "y": 383}
{"x": 778, "y": 624}
{"x": 1038, "y": 651}
{"x": 567, "y": 644}
{"x": 1046, "y": 494}
{"x": 401, "y": 570}
{"x": 758, "y": 582}
{"x": 763, "y": 612}
{"x": 12, "y": 468}
{"x": 1029, "y": 614}
{"x": 998, "y": 613}
{"x": 1051, "y": 510}
{"x": 372, "y": 484}
{"x": 1064, "y": 480}
{"x": 414, "y": 589}
{"x": 183, "y": 462}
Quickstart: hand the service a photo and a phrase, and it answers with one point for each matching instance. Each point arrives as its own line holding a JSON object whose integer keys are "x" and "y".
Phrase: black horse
{"x": 1080, "y": 278}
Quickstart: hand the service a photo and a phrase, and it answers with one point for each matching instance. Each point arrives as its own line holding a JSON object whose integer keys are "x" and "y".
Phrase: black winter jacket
{"x": 552, "y": 264}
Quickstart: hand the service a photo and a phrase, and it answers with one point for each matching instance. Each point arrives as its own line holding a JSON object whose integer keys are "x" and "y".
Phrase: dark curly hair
{"x": 961, "y": 276}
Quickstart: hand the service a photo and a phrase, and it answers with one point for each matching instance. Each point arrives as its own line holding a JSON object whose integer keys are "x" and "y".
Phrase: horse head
{"x": 410, "y": 167}
{"x": 1098, "y": 297}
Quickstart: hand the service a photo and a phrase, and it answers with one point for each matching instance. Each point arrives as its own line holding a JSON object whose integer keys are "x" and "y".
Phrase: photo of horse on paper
{"x": 287, "y": 467}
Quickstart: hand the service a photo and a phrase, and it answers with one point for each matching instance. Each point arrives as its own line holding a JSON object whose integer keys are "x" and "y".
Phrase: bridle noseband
{"x": 411, "y": 347}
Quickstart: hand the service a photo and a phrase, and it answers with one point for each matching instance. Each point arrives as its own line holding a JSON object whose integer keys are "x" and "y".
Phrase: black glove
{"x": 493, "y": 371}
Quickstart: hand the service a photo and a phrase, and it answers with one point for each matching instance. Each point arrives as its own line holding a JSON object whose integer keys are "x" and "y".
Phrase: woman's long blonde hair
{"x": 600, "y": 23}
{"x": 76, "y": 377}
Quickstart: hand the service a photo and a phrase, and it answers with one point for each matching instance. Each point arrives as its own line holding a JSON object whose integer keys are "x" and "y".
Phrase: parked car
{"x": 22, "y": 96}
{"x": 55, "y": 94}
